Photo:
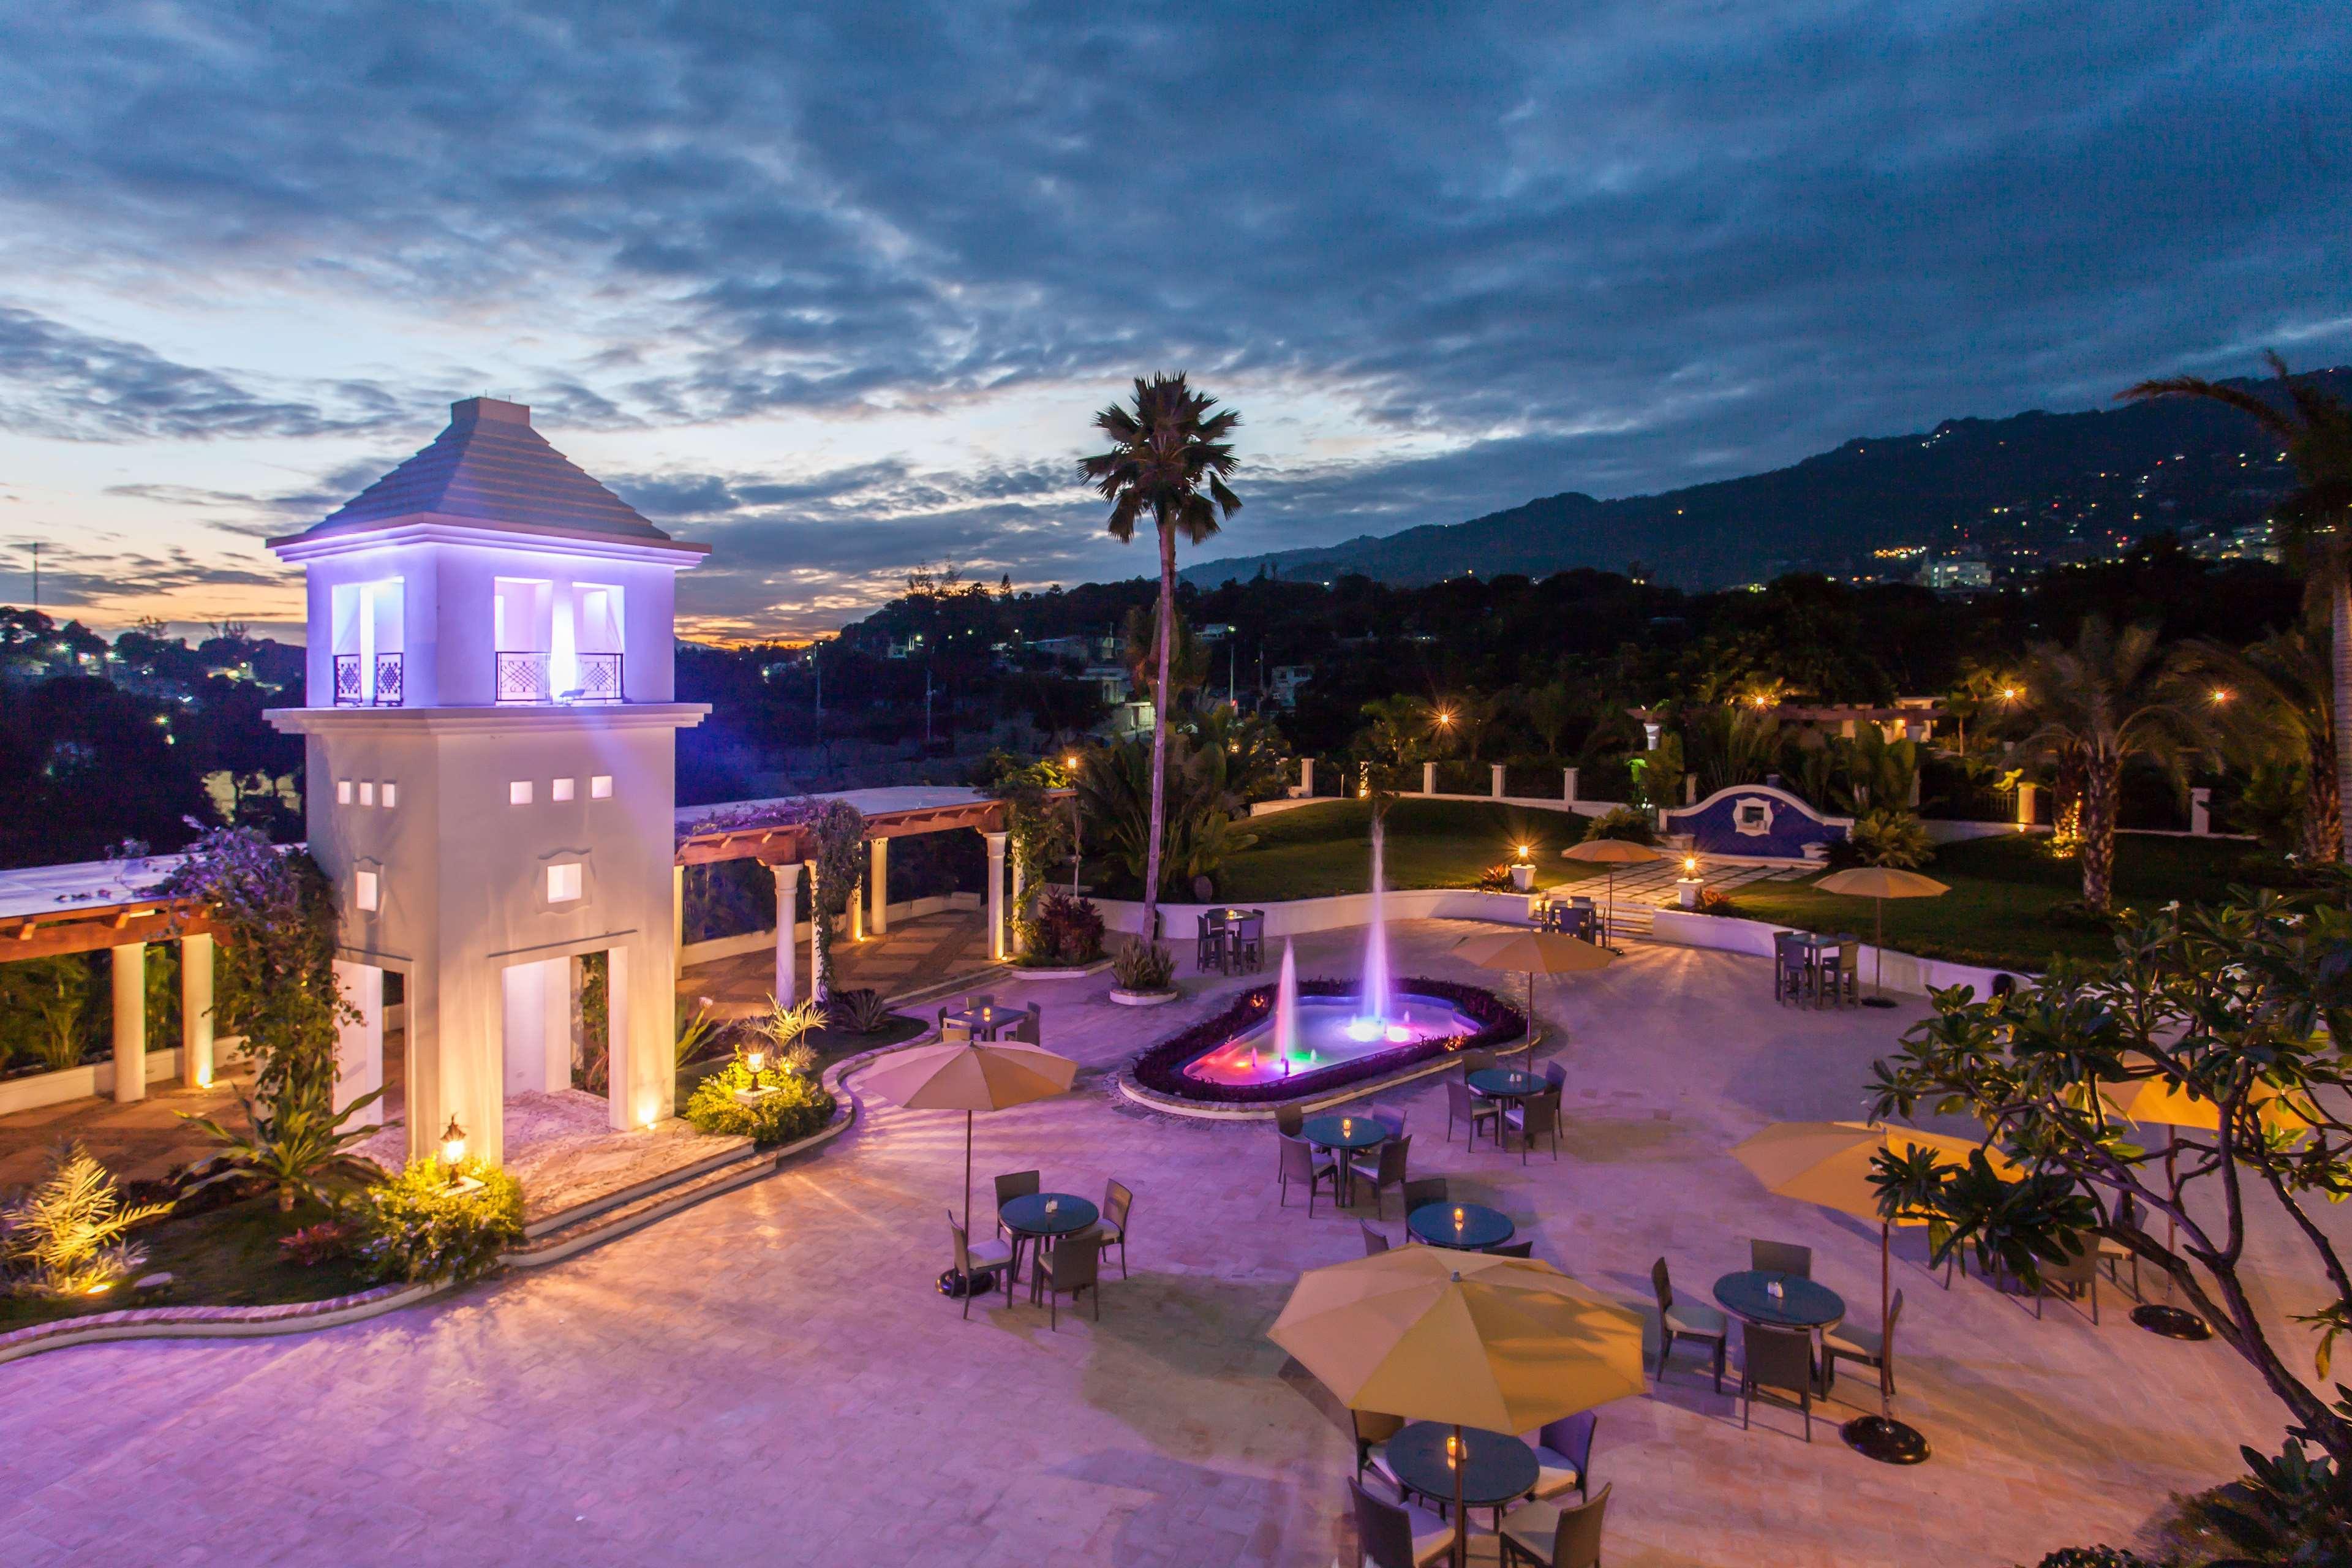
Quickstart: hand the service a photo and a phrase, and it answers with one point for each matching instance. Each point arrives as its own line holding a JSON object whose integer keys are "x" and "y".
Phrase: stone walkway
{"x": 770, "y": 1377}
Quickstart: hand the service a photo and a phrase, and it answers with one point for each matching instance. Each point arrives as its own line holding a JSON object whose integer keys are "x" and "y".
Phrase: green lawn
{"x": 1998, "y": 912}
{"x": 1316, "y": 851}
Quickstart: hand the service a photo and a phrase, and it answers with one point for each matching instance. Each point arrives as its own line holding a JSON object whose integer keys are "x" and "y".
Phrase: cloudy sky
{"x": 838, "y": 293}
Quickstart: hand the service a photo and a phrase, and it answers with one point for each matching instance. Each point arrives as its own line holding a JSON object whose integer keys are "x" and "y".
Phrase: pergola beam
{"x": 88, "y": 931}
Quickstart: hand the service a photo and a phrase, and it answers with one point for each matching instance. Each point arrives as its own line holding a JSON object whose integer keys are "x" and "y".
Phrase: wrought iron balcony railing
{"x": 352, "y": 687}
{"x": 530, "y": 677}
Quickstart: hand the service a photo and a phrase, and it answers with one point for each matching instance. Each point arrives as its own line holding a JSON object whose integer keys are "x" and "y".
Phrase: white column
{"x": 996, "y": 893}
{"x": 678, "y": 906}
{"x": 1568, "y": 786}
{"x": 555, "y": 1028}
{"x": 1017, "y": 890}
{"x": 1650, "y": 730}
{"x": 878, "y": 881}
{"x": 1495, "y": 769}
{"x": 196, "y": 1011}
{"x": 129, "y": 963}
{"x": 2025, "y": 806}
{"x": 1307, "y": 775}
{"x": 643, "y": 1065}
{"x": 816, "y": 919}
{"x": 359, "y": 1043}
{"x": 1429, "y": 778}
{"x": 1690, "y": 789}
{"x": 788, "y": 888}
{"x": 856, "y": 917}
{"x": 2200, "y": 812}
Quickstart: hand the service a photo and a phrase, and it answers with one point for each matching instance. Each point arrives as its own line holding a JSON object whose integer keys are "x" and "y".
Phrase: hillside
{"x": 2026, "y": 490}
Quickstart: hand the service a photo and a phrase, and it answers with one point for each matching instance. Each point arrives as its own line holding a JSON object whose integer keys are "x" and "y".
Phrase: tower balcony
{"x": 527, "y": 677}
{"x": 362, "y": 680}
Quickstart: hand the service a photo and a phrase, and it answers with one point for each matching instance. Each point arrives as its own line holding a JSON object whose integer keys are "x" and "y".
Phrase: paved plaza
{"x": 772, "y": 1378}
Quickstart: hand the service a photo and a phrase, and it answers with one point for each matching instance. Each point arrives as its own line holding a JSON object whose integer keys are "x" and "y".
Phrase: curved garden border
{"x": 1159, "y": 1070}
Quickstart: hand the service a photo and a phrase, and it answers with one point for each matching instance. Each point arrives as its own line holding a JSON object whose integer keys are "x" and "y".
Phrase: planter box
{"x": 1019, "y": 973}
{"x": 1143, "y": 998}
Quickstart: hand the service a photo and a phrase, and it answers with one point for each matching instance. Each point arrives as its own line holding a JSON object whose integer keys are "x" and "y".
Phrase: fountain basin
{"x": 1230, "y": 1059}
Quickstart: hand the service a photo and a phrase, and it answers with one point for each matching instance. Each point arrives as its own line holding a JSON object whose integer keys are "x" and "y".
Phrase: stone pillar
{"x": 856, "y": 917}
{"x": 996, "y": 893}
{"x": 1429, "y": 778}
{"x": 1307, "y": 775}
{"x": 1496, "y": 772}
{"x": 1568, "y": 786}
{"x": 2025, "y": 806}
{"x": 128, "y": 964}
{"x": 1915, "y": 789}
{"x": 877, "y": 880}
{"x": 1690, "y": 789}
{"x": 359, "y": 1043}
{"x": 196, "y": 1011}
{"x": 816, "y": 919}
{"x": 1650, "y": 730}
{"x": 788, "y": 898}
{"x": 1012, "y": 939}
{"x": 678, "y": 907}
{"x": 641, "y": 1068}
{"x": 2200, "y": 812}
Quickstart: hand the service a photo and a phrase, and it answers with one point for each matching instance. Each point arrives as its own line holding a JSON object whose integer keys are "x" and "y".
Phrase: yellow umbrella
{"x": 1534, "y": 953}
{"x": 1611, "y": 853}
{"x": 971, "y": 1075}
{"x": 1878, "y": 884}
{"x": 1467, "y": 1339}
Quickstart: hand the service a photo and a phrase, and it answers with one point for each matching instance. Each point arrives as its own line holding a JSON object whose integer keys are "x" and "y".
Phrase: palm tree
{"x": 2314, "y": 430}
{"x": 1167, "y": 461}
{"x": 2104, "y": 700}
{"x": 2271, "y": 705}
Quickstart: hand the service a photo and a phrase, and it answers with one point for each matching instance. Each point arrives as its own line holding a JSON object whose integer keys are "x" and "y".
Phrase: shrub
{"x": 1495, "y": 878}
{"x": 861, "y": 1012}
{"x": 2294, "y": 1508}
{"x": 298, "y": 1145}
{"x": 65, "y": 1236}
{"x": 1886, "y": 837}
{"x": 420, "y": 1226}
{"x": 1635, "y": 825}
{"x": 2094, "y": 1557}
{"x": 1068, "y": 928}
{"x": 321, "y": 1243}
{"x": 1716, "y": 901}
{"x": 799, "y": 1107}
{"x": 1145, "y": 967}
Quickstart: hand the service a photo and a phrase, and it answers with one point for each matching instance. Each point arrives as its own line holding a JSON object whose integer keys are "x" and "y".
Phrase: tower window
{"x": 390, "y": 794}
{"x": 601, "y": 788}
{"x": 563, "y": 882}
{"x": 342, "y": 791}
{"x": 364, "y": 891}
{"x": 560, "y": 790}
{"x": 518, "y": 793}
{"x": 367, "y": 793}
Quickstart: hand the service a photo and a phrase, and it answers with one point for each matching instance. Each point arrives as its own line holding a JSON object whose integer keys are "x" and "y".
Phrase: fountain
{"x": 1374, "y": 1013}
{"x": 1286, "y": 1006}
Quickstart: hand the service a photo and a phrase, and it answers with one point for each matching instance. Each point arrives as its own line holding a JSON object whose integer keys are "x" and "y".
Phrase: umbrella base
{"x": 1889, "y": 1441}
{"x": 2172, "y": 1323}
{"x": 956, "y": 1286}
{"x": 1878, "y": 1001}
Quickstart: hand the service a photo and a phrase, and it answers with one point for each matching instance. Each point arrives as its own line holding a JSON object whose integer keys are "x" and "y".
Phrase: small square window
{"x": 367, "y": 793}
{"x": 390, "y": 795}
{"x": 518, "y": 793}
{"x": 560, "y": 790}
{"x": 563, "y": 882}
{"x": 601, "y": 788}
{"x": 342, "y": 791}
{"x": 364, "y": 892}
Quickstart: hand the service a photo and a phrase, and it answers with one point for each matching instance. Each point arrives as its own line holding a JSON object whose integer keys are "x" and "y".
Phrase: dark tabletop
{"x": 1506, "y": 1083}
{"x": 1481, "y": 1226}
{"x": 1802, "y": 1304}
{"x": 1027, "y": 1214}
{"x": 1497, "y": 1467}
{"x": 989, "y": 1019}
{"x": 1362, "y": 1132}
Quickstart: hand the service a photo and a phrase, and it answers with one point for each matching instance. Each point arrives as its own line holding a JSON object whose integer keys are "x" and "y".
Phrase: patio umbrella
{"x": 1534, "y": 953}
{"x": 1611, "y": 853}
{"x": 1466, "y": 1339}
{"x": 971, "y": 1075}
{"x": 1829, "y": 1164}
{"x": 1878, "y": 884}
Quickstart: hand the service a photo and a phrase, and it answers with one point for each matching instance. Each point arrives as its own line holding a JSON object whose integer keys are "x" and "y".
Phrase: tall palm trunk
{"x": 2339, "y": 660}
{"x": 2102, "y": 778}
{"x": 1160, "y": 726}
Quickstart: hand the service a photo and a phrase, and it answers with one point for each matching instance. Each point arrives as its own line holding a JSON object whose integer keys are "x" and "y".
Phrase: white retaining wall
{"x": 1300, "y": 916}
{"x": 764, "y": 941}
{"x": 1530, "y": 802}
{"x": 1906, "y": 972}
{"x": 81, "y": 1082}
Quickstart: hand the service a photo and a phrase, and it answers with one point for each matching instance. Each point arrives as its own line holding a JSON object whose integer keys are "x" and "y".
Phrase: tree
{"x": 2315, "y": 431}
{"x": 1550, "y": 708}
{"x": 2098, "y": 703}
{"x": 1168, "y": 462}
{"x": 2244, "y": 1009}
{"x": 1188, "y": 666}
{"x": 2270, "y": 708}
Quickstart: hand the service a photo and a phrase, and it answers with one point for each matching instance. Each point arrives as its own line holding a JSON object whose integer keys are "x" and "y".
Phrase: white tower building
{"x": 491, "y": 770}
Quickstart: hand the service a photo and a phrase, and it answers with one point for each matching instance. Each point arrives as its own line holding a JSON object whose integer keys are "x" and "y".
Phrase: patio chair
{"x": 1423, "y": 1191}
{"x": 1112, "y": 1227}
{"x": 1538, "y": 1116}
{"x": 980, "y": 999}
{"x": 1564, "y": 1454}
{"x": 1781, "y": 1258}
{"x": 1288, "y": 1120}
{"x": 1846, "y": 983}
{"x": 1391, "y": 1120}
{"x": 2077, "y": 1274}
{"x": 1867, "y": 1347}
{"x": 1383, "y": 1164}
{"x": 1246, "y": 942}
{"x": 1791, "y": 972}
{"x": 969, "y": 1259}
{"x": 1513, "y": 1249}
{"x": 2115, "y": 1254}
{"x": 1373, "y": 1431}
{"x": 1774, "y": 1360}
{"x": 1018, "y": 1184}
{"x": 1476, "y": 1061}
{"x": 1029, "y": 1029}
{"x": 1461, "y": 1105}
{"x": 952, "y": 1033}
{"x": 1209, "y": 942}
{"x": 1075, "y": 1265}
{"x": 1687, "y": 1320}
{"x": 1549, "y": 1536}
{"x": 1375, "y": 1242}
{"x": 1299, "y": 1165}
{"x": 1555, "y": 1074}
{"x": 1397, "y": 1535}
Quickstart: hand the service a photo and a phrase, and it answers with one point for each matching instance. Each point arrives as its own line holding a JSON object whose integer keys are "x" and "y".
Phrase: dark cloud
{"x": 1610, "y": 248}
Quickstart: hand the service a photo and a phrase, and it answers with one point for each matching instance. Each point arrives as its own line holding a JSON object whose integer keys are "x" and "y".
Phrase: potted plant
{"x": 1145, "y": 976}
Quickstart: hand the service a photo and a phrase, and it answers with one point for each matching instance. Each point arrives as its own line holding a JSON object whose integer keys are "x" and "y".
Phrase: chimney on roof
{"x": 468, "y": 411}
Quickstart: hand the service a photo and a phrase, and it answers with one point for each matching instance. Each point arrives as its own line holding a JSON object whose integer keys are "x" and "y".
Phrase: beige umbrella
{"x": 1829, "y": 1164}
{"x": 1534, "y": 953}
{"x": 1611, "y": 853}
{"x": 1878, "y": 884}
{"x": 971, "y": 1075}
{"x": 1467, "y": 1339}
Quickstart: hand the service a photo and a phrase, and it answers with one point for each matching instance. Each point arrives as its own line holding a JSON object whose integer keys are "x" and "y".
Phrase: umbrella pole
{"x": 1877, "y": 997}
{"x": 967, "y": 1172}
{"x": 1880, "y": 1436}
{"x": 1885, "y": 1310}
{"x": 1460, "y": 1520}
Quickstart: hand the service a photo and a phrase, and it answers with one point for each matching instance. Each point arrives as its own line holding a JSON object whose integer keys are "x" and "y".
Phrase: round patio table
{"x": 1496, "y": 1467}
{"x": 1506, "y": 1083}
{"x": 1481, "y": 1226}
{"x": 1746, "y": 1294}
{"x": 1344, "y": 1134}
{"x": 1026, "y": 1216}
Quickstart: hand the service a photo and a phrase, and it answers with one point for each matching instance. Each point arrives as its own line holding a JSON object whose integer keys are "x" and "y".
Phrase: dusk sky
{"x": 839, "y": 294}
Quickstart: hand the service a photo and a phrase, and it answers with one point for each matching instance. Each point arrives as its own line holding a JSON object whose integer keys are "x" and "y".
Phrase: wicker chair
{"x": 1776, "y": 1359}
{"x": 1549, "y": 1536}
{"x": 1461, "y": 1105}
{"x": 970, "y": 1259}
{"x": 1564, "y": 1454}
{"x": 1073, "y": 1265}
{"x": 1538, "y": 1116}
{"x": 1112, "y": 1227}
{"x": 1299, "y": 1165}
{"x": 1383, "y": 1166}
{"x": 1692, "y": 1320}
{"x": 1781, "y": 1258}
{"x": 1397, "y": 1535}
{"x": 1867, "y": 1347}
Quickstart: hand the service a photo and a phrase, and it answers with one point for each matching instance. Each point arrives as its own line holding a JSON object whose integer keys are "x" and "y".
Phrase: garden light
{"x": 453, "y": 1144}
{"x": 1445, "y": 716}
{"x": 1522, "y": 851}
{"x": 755, "y": 1061}
{"x": 1690, "y": 865}
{"x": 2221, "y": 695}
